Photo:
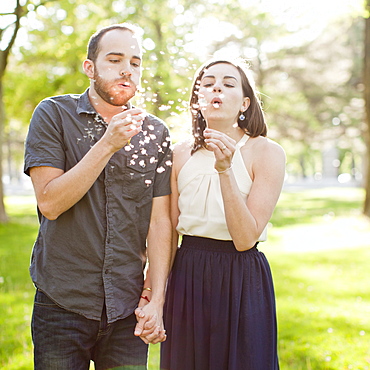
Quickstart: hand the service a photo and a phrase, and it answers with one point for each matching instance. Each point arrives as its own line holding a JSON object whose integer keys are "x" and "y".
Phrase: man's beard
{"x": 102, "y": 88}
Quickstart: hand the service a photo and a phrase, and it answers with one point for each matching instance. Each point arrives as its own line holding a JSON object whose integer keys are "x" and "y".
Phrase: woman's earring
{"x": 242, "y": 116}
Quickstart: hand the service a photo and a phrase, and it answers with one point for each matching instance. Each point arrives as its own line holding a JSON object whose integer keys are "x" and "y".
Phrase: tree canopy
{"x": 312, "y": 88}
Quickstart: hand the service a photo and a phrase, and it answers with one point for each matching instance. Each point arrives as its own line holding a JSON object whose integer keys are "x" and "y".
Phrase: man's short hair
{"x": 93, "y": 45}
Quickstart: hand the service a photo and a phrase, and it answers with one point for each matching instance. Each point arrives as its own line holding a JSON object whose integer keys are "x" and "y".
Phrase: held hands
{"x": 122, "y": 127}
{"x": 222, "y": 146}
{"x": 149, "y": 325}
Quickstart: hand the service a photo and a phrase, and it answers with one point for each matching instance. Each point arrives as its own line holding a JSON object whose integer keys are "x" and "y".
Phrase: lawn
{"x": 318, "y": 251}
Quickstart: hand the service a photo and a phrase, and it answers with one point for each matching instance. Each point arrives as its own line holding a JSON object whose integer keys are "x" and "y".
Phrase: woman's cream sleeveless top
{"x": 200, "y": 199}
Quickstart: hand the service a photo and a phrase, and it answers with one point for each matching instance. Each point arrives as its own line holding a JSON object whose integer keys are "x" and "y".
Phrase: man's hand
{"x": 122, "y": 127}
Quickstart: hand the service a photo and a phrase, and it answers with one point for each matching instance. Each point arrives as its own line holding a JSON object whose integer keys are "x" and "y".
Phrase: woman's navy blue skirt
{"x": 220, "y": 310}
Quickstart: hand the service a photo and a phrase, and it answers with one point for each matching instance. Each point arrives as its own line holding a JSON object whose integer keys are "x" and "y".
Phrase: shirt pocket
{"x": 138, "y": 178}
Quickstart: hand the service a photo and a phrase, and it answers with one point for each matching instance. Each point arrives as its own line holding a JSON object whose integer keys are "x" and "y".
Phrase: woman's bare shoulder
{"x": 183, "y": 146}
{"x": 181, "y": 152}
{"x": 264, "y": 147}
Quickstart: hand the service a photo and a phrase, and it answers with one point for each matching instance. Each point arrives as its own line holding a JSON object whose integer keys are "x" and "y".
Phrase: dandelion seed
{"x": 135, "y": 156}
{"x": 152, "y": 136}
{"x": 362, "y": 332}
{"x": 152, "y": 160}
{"x": 142, "y": 163}
{"x": 164, "y": 107}
{"x": 132, "y": 162}
{"x": 161, "y": 169}
{"x": 168, "y": 163}
{"x": 151, "y": 127}
{"x": 330, "y": 330}
{"x": 143, "y": 151}
{"x": 216, "y": 105}
{"x": 148, "y": 182}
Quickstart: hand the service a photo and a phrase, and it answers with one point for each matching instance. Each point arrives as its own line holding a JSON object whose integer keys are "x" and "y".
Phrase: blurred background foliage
{"x": 307, "y": 60}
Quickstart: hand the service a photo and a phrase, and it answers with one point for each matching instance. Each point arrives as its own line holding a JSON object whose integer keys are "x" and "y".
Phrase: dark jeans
{"x": 64, "y": 340}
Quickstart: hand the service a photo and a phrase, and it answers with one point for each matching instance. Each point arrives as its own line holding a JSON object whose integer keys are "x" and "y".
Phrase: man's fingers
{"x": 139, "y": 328}
{"x": 139, "y": 313}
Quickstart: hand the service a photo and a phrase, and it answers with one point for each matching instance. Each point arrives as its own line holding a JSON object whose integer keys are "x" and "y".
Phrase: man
{"x": 100, "y": 170}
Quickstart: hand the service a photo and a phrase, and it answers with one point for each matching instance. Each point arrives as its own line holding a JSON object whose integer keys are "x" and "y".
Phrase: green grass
{"x": 318, "y": 249}
{"x": 16, "y": 288}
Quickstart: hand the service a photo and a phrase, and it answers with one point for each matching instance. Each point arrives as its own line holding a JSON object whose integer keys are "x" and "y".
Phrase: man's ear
{"x": 89, "y": 68}
{"x": 246, "y": 104}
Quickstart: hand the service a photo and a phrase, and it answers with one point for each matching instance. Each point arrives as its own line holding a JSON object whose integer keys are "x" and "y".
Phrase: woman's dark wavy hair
{"x": 93, "y": 45}
{"x": 254, "y": 123}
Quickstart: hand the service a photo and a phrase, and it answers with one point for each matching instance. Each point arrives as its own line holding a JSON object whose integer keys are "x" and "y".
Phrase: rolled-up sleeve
{"x": 44, "y": 143}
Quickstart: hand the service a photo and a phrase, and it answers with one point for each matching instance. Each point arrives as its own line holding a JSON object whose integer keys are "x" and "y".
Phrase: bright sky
{"x": 307, "y": 17}
{"x": 295, "y": 11}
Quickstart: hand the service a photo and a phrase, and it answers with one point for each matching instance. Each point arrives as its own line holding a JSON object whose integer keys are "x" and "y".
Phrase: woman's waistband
{"x": 216, "y": 245}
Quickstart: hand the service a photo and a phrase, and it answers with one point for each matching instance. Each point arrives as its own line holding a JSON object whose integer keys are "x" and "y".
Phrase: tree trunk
{"x": 367, "y": 106}
{"x": 4, "y": 54}
{"x": 3, "y": 216}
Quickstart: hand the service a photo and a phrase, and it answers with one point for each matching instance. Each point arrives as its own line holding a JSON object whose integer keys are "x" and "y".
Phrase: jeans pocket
{"x": 41, "y": 299}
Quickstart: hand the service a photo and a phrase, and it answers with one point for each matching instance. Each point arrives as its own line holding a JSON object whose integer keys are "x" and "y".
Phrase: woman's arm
{"x": 265, "y": 162}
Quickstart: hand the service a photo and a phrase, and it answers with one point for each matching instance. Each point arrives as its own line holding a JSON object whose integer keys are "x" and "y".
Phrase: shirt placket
{"x": 109, "y": 239}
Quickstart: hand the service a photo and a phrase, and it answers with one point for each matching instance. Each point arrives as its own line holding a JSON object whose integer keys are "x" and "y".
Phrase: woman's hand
{"x": 222, "y": 146}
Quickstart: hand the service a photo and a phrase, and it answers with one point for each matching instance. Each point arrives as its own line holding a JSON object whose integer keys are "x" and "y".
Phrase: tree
{"x": 57, "y": 34}
{"x": 367, "y": 103}
{"x": 9, "y": 31}
{"x": 10, "y": 25}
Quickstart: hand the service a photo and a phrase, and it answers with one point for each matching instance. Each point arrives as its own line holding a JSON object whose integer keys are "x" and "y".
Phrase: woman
{"x": 220, "y": 305}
